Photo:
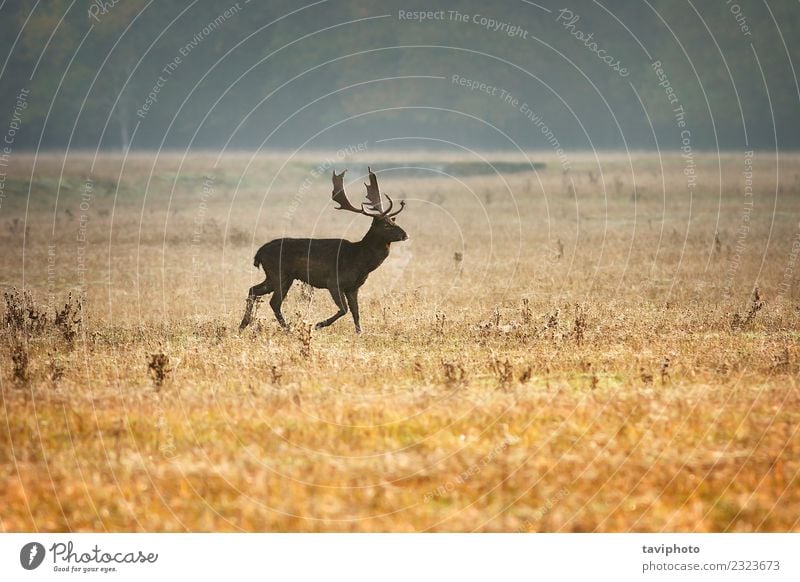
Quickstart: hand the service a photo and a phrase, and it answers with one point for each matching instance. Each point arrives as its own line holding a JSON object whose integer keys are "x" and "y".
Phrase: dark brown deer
{"x": 335, "y": 264}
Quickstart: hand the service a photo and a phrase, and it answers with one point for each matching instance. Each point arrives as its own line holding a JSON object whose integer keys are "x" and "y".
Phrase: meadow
{"x": 612, "y": 346}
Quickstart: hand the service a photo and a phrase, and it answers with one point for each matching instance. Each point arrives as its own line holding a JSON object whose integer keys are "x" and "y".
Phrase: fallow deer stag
{"x": 335, "y": 264}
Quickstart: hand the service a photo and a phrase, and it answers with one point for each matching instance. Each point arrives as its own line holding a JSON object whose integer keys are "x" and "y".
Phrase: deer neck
{"x": 373, "y": 249}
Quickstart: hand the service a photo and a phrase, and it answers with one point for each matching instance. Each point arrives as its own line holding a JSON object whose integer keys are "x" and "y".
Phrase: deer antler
{"x": 339, "y": 195}
{"x": 402, "y": 205}
{"x": 373, "y": 206}
{"x": 374, "y": 202}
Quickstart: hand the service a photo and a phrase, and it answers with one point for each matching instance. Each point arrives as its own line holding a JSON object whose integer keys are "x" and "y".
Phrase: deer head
{"x": 383, "y": 221}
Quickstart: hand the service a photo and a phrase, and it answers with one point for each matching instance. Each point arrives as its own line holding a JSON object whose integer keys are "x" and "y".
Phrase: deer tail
{"x": 256, "y": 262}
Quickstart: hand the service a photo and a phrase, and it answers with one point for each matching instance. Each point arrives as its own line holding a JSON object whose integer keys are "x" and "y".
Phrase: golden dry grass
{"x": 610, "y": 389}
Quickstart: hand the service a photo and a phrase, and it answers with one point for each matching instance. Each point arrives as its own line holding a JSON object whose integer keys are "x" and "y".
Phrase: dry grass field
{"x": 550, "y": 351}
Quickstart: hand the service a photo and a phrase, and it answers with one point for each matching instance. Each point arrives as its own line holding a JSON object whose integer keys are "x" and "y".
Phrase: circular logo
{"x": 31, "y": 555}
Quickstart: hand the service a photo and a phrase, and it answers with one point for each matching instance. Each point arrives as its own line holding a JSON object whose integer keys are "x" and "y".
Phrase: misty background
{"x": 213, "y": 74}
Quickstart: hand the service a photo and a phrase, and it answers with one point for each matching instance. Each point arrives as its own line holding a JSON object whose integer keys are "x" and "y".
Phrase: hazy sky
{"x": 545, "y": 75}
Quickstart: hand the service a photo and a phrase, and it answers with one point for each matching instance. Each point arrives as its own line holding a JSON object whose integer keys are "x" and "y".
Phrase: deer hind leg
{"x": 338, "y": 298}
{"x": 277, "y": 300}
{"x": 255, "y": 291}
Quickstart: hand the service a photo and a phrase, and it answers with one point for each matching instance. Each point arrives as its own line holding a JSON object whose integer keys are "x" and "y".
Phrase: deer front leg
{"x": 339, "y": 300}
{"x": 352, "y": 301}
